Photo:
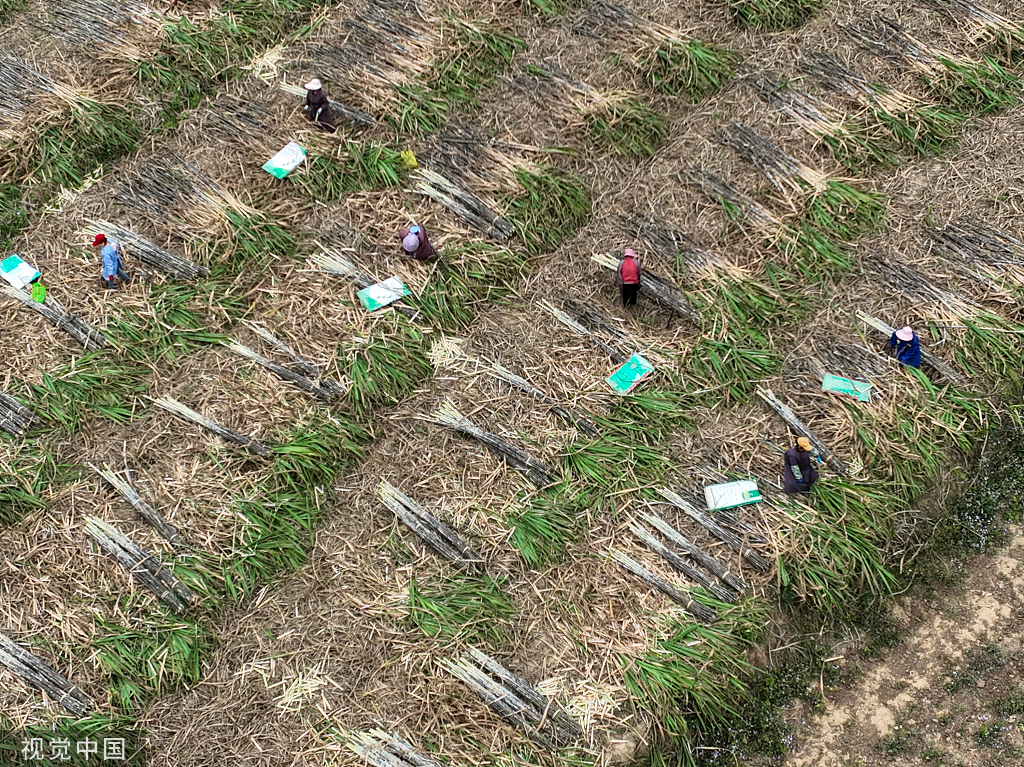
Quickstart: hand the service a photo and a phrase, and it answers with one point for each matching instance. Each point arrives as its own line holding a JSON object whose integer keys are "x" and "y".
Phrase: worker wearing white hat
{"x": 907, "y": 348}
{"x": 318, "y": 108}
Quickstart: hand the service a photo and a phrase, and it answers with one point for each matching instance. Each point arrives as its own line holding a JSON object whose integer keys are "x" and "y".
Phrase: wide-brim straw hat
{"x": 905, "y": 333}
{"x": 313, "y": 85}
{"x": 804, "y": 443}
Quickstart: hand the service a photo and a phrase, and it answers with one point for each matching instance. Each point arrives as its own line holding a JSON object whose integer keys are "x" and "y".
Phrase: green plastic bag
{"x": 39, "y": 293}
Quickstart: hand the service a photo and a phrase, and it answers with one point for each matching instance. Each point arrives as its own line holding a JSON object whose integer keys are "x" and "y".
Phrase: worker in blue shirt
{"x": 110, "y": 253}
{"x": 906, "y": 347}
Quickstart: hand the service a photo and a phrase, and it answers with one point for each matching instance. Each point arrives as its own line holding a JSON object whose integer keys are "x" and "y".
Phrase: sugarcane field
{"x": 524, "y": 383}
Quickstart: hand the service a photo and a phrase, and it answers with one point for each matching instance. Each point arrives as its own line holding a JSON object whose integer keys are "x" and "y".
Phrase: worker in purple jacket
{"x": 415, "y": 243}
{"x": 798, "y": 468}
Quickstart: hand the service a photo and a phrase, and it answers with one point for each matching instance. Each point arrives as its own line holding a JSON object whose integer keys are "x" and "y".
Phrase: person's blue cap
{"x": 414, "y": 230}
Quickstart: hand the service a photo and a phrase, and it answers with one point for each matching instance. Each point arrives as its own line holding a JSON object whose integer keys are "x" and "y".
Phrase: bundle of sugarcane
{"x": 147, "y": 512}
{"x": 173, "y": 183}
{"x": 333, "y": 262}
{"x": 939, "y": 365}
{"x": 142, "y": 564}
{"x": 741, "y": 209}
{"x": 656, "y": 286}
{"x": 237, "y": 118}
{"x": 516, "y": 701}
{"x": 794, "y": 423}
{"x": 729, "y": 538}
{"x": 567, "y": 414}
{"x": 672, "y": 62}
{"x": 670, "y": 243}
{"x": 172, "y": 405}
{"x": 434, "y": 533}
{"x": 536, "y": 471}
{"x": 786, "y": 173}
{"x": 333, "y": 390}
{"x": 851, "y": 144}
{"x": 19, "y": 83}
{"x": 925, "y": 127}
{"x": 976, "y": 85}
{"x": 1002, "y": 36}
{"x": 917, "y": 286}
{"x": 89, "y": 337}
{"x": 697, "y": 554}
{"x": 465, "y": 205}
{"x": 39, "y": 674}
{"x": 385, "y": 749}
{"x": 15, "y": 418}
{"x": 350, "y": 115}
{"x": 679, "y": 596}
{"x": 95, "y": 22}
{"x": 170, "y": 263}
{"x": 311, "y": 371}
{"x": 680, "y": 565}
{"x": 975, "y": 244}
{"x": 616, "y": 120}
{"x": 617, "y": 355}
{"x": 813, "y": 250}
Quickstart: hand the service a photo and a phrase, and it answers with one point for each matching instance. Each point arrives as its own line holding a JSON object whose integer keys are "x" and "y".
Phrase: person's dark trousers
{"x": 629, "y": 294}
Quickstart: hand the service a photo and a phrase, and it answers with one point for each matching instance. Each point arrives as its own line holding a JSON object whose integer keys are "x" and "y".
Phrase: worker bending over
{"x": 907, "y": 348}
{"x": 798, "y": 468}
{"x": 110, "y": 254}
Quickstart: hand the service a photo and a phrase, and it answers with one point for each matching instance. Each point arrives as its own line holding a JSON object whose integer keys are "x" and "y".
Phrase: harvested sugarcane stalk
{"x": 682, "y": 598}
{"x": 599, "y": 323}
{"x": 786, "y": 173}
{"x": 143, "y": 565}
{"x": 729, "y": 538}
{"x": 850, "y": 142}
{"x": 435, "y": 533}
{"x": 615, "y": 355}
{"x": 137, "y": 246}
{"x": 930, "y": 359}
{"x": 670, "y": 243}
{"x": 751, "y": 217}
{"x": 515, "y": 701}
{"x": 89, "y": 337}
{"x": 353, "y": 116}
{"x": 536, "y": 471}
{"x": 976, "y": 245}
{"x": 307, "y": 367}
{"x": 925, "y": 127}
{"x": 147, "y": 512}
{"x": 296, "y": 379}
{"x": 697, "y": 553}
{"x": 1004, "y": 37}
{"x": 465, "y": 205}
{"x": 172, "y": 405}
{"x": 658, "y": 287}
{"x": 15, "y": 418}
{"x": 680, "y": 565}
{"x": 92, "y": 23}
{"x": 787, "y": 415}
{"x": 39, "y": 674}
{"x": 385, "y": 749}
{"x": 571, "y": 417}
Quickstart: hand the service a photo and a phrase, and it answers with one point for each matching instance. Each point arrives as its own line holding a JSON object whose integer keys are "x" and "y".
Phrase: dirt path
{"x": 951, "y": 693}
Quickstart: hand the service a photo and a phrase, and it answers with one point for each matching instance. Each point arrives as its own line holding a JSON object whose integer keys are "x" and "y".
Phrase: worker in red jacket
{"x": 628, "y": 275}
{"x": 415, "y": 243}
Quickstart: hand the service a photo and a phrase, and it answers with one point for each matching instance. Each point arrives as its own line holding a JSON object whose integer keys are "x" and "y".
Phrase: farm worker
{"x": 110, "y": 254}
{"x": 628, "y": 277}
{"x": 906, "y": 347}
{"x": 798, "y": 469}
{"x": 415, "y": 243}
{"x": 318, "y": 108}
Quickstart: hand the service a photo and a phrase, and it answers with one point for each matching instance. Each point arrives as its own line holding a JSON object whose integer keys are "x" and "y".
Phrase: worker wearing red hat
{"x": 110, "y": 254}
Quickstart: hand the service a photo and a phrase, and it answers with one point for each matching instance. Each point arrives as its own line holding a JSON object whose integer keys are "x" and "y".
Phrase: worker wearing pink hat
{"x": 628, "y": 277}
{"x": 415, "y": 243}
{"x": 906, "y": 346}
